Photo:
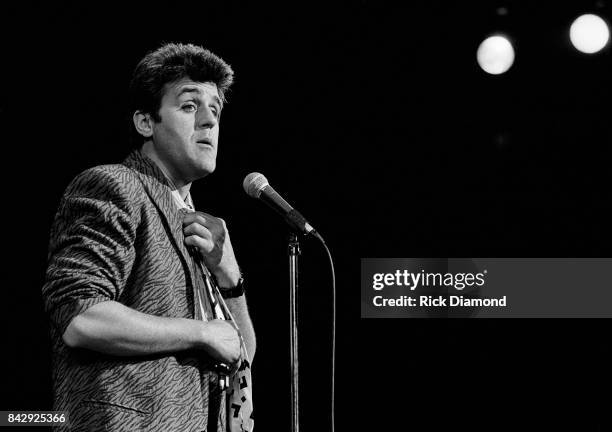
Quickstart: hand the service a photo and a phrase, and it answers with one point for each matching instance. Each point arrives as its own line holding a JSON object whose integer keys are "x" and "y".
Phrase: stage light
{"x": 589, "y": 33}
{"x": 495, "y": 55}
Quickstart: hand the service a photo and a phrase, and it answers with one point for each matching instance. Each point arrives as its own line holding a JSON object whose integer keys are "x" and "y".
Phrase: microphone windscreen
{"x": 254, "y": 183}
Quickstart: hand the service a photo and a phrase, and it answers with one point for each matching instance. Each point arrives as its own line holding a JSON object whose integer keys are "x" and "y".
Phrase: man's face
{"x": 186, "y": 137}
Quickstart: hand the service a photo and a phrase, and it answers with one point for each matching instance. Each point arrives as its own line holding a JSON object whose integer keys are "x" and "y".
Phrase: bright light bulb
{"x": 589, "y": 33}
{"x": 495, "y": 55}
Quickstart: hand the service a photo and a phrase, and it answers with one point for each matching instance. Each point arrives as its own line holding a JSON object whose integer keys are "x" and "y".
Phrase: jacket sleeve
{"x": 91, "y": 250}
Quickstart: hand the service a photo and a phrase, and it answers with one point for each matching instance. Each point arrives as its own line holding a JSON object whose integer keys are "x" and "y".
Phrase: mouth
{"x": 205, "y": 141}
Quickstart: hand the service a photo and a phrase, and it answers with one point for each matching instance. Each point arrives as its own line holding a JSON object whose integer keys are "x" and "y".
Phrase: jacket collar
{"x": 159, "y": 189}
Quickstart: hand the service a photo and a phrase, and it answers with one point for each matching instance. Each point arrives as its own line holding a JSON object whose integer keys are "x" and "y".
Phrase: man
{"x": 138, "y": 328}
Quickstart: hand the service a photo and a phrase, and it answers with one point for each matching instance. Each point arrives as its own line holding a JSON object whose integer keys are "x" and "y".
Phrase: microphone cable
{"x": 333, "y": 368}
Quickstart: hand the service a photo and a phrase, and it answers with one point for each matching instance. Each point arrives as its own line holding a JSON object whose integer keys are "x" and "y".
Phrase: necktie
{"x": 209, "y": 304}
{"x": 239, "y": 397}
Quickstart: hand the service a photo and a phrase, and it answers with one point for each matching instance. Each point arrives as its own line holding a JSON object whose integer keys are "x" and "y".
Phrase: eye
{"x": 190, "y": 107}
{"x": 215, "y": 110}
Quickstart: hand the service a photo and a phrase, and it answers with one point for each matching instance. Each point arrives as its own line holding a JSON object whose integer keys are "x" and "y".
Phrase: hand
{"x": 220, "y": 339}
{"x": 210, "y": 236}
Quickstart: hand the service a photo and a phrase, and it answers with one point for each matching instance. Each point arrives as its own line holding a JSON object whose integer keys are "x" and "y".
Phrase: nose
{"x": 206, "y": 118}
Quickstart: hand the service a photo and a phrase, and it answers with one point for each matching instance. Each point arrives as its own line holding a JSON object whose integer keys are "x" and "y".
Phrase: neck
{"x": 176, "y": 183}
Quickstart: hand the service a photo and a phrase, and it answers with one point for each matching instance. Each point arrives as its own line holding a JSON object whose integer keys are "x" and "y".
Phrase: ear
{"x": 143, "y": 123}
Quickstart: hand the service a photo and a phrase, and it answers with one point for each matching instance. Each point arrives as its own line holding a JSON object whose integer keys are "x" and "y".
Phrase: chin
{"x": 206, "y": 169}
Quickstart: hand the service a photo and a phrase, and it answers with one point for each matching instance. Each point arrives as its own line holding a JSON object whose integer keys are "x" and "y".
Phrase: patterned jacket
{"x": 118, "y": 236}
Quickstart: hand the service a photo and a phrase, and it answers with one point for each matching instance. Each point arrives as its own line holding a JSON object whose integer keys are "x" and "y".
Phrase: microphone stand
{"x": 293, "y": 250}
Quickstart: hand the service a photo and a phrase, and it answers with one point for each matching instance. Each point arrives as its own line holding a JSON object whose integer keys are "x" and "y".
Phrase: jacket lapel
{"x": 157, "y": 186}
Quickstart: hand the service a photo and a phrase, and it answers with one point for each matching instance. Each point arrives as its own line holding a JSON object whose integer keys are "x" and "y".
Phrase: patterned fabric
{"x": 209, "y": 304}
{"x": 118, "y": 236}
{"x": 240, "y": 396}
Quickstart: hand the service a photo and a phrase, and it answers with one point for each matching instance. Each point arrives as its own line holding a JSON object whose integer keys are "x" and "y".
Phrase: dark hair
{"x": 169, "y": 63}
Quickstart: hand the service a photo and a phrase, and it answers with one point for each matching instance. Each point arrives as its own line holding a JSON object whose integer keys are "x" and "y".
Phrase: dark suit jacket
{"x": 118, "y": 236}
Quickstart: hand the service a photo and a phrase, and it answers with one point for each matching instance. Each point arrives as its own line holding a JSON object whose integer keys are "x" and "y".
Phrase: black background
{"x": 376, "y": 122}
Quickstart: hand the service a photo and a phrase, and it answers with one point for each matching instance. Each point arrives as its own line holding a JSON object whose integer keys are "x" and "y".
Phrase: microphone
{"x": 256, "y": 185}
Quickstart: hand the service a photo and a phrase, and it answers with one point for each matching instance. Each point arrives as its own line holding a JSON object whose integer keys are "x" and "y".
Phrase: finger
{"x": 211, "y": 220}
{"x": 199, "y": 230}
{"x": 213, "y": 224}
{"x": 203, "y": 245}
{"x": 206, "y": 215}
{"x": 194, "y": 217}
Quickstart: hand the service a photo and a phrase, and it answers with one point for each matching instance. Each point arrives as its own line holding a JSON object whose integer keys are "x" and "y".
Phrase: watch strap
{"x": 237, "y": 291}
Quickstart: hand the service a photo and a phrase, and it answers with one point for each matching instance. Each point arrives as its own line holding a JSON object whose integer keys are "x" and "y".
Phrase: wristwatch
{"x": 237, "y": 291}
